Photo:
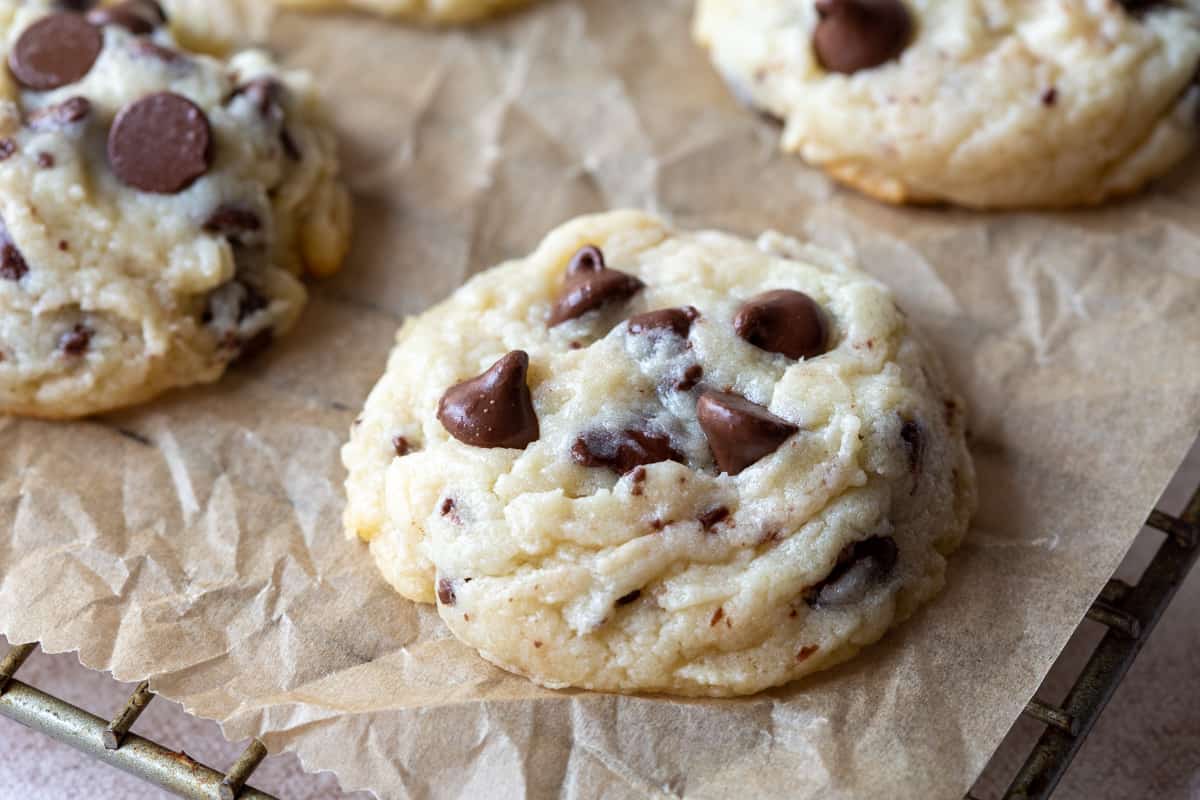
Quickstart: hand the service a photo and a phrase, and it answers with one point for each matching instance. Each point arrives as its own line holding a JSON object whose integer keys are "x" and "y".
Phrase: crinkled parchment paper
{"x": 197, "y": 541}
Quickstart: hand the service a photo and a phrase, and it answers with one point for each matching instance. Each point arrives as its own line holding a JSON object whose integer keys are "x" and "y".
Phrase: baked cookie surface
{"x": 984, "y": 103}
{"x": 158, "y": 207}
{"x": 428, "y": 11}
{"x": 643, "y": 460}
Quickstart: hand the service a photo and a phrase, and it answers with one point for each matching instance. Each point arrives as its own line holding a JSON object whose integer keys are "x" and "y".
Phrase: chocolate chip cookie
{"x": 157, "y": 207}
{"x": 647, "y": 460}
{"x": 427, "y": 11}
{"x": 983, "y": 104}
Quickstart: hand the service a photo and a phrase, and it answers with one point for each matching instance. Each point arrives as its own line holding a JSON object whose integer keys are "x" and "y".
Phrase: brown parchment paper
{"x": 196, "y": 541}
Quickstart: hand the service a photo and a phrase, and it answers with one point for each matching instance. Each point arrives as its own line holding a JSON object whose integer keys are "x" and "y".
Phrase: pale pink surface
{"x": 1146, "y": 745}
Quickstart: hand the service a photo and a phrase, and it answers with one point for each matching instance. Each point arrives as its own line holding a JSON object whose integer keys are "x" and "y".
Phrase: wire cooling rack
{"x": 1129, "y": 612}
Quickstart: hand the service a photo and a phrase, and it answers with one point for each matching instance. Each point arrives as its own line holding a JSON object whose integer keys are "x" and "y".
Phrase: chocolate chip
{"x": 622, "y": 451}
{"x": 447, "y": 507}
{"x": 290, "y": 148}
{"x": 860, "y": 34}
{"x": 637, "y": 479}
{"x": 676, "y": 320}
{"x": 263, "y": 93}
{"x": 401, "y": 445}
{"x": 691, "y": 377}
{"x": 255, "y": 346}
{"x": 137, "y": 16}
{"x": 149, "y": 49}
{"x": 56, "y": 50}
{"x": 60, "y": 115}
{"x": 232, "y": 221}
{"x": 783, "y": 321}
{"x": 7, "y": 148}
{"x": 251, "y": 302}
{"x": 1050, "y": 96}
{"x": 625, "y": 600}
{"x": 75, "y": 341}
{"x": 494, "y": 409}
{"x": 914, "y": 443}
{"x": 860, "y": 567}
{"x": 445, "y": 592}
{"x": 160, "y": 144}
{"x": 1139, "y": 7}
{"x": 716, "y": 617}
{"x": 714, "y": 516}
{"x": 806, "y": 652}
{"x": 589, "y": 285}
{"x": 12, "y": 263}
{"x": 739, "y": 432}
{"x": 45, "y": 160}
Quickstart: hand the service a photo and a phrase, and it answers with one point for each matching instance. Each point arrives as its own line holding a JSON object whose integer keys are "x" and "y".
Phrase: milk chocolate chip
{"x": 675, "y": 320}
{"x": 589, "y": 285}
{"x": 860, "y": 567}
{"x": 783, "y": 321}
{"x": 623, "y": 451}
{"x": 739, "y": 432}
{"x": 160, "y": 144}
{"x": 494, "y": 409}
{"x": 137, "y": 16}
{"x": 56, "y": 50}
{"x": 860, "y": 34}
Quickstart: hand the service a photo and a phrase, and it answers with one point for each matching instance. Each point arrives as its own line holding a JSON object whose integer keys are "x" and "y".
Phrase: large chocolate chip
{"x": 739, "y": 432}
{"x": 590, "y": 284}
{"x": 137, "y": 16}
{"x": 494, "y": 409}
{"x": 161, "y": 143}
{"x": 676, "y": 320}
{"x": 623, "y": 451}
{"x": 860, "y": 567}
{"x": 56, "y": 50}
{"x": 783, "y": 321}
{"x": 445, "y": 592}
{"x": 860, "y": 34}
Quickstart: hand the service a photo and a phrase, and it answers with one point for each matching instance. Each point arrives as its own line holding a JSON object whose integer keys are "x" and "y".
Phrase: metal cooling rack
{"x": 1129, "y": 612}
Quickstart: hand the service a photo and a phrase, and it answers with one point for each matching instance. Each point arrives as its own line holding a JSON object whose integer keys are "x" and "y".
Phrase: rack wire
{"x": 1129, "y": 612}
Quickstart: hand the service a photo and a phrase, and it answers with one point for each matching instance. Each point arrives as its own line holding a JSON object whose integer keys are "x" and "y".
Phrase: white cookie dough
{"x": 111, "y": 294}
{"x": 428, "y": 11}
{"x": 674, "y": 576}
{"x": 992, "y": 103}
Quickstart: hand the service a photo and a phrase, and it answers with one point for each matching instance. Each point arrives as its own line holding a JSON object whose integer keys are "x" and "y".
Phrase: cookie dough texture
{"x": 110, "y": 294}
{"x": 671, "y": 577}
{"x": 427, "y": 11}
{"x": 991, "y": 104}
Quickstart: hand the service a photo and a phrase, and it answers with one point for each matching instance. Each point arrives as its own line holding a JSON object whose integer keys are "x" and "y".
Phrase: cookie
{"x": 646, "y": 460}
{"x": 158, "y": 208}
{"x": 439, "y": 12}
{"x": 982, "y": 104}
